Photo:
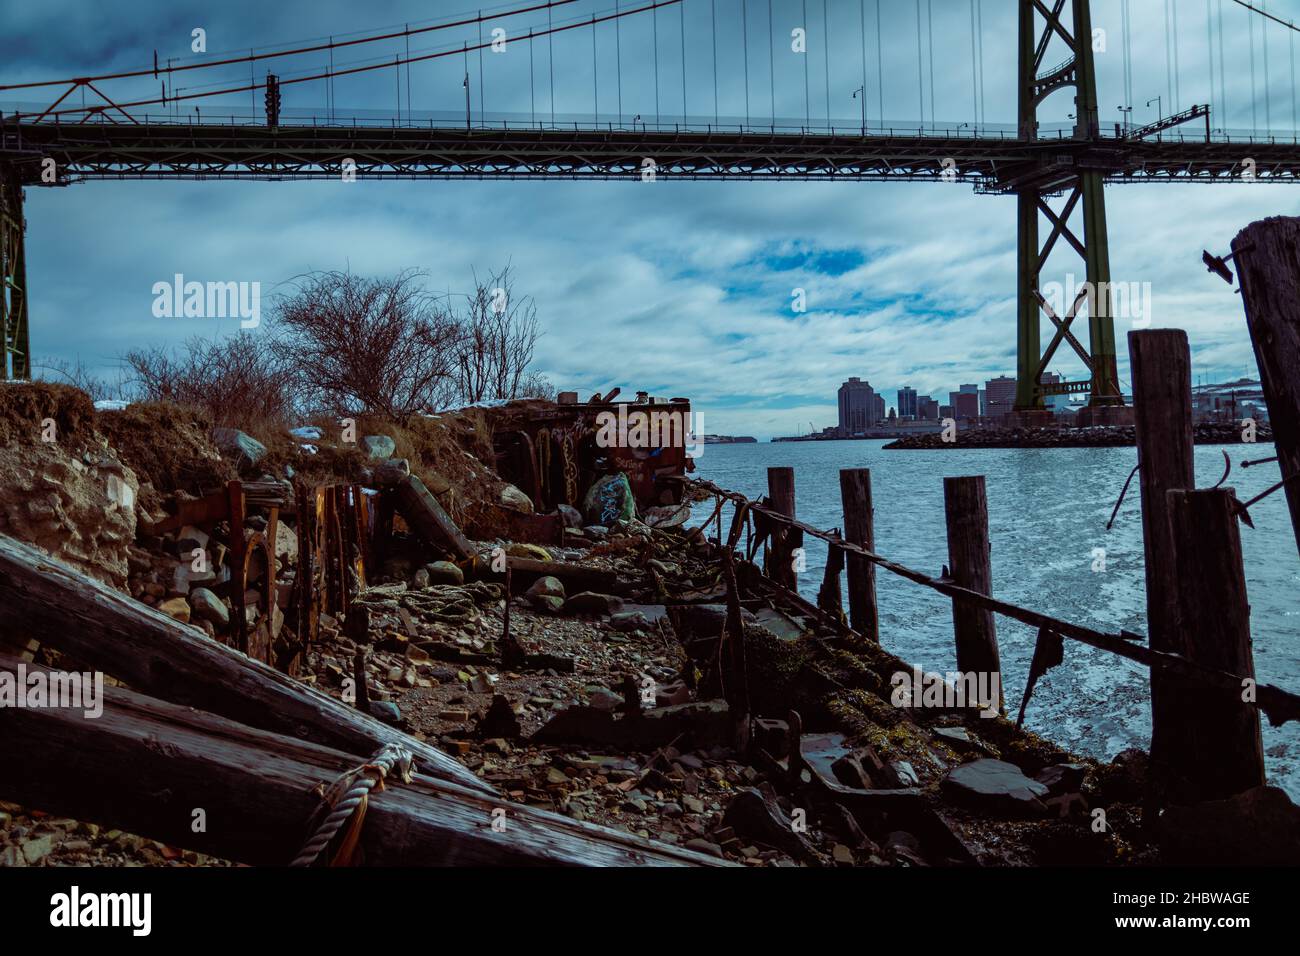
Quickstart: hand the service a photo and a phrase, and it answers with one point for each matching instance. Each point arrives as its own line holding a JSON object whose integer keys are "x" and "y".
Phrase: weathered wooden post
{"x": 1162, "y": 404}
{"x": 1269, "y": 265}
{"x": 1224, "y": 753}
{"x": 970, "y": 566}
{"x": 780, "y": 494}
{"x": 859, "y": 529}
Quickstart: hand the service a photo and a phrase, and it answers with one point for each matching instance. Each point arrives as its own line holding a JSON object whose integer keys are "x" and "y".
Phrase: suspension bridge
{"x": 140, "y": 124}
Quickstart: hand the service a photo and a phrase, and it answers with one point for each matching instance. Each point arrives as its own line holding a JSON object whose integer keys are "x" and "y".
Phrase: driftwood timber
{"x": 1280, "y": 705}
{"x": 104, "y": 629}
{"x": 859, "y": 527}
{"x": 780, "y": 491}
{"x": 1162, "y": 408}
{"x": 1215, "y": 620}
{"x": 430, "y": 521}
{"x": 527, "y": 570}
{"x": 1268, "y": 258}
{"x": 145, "y": 766}
{"x": 970, "y": 562}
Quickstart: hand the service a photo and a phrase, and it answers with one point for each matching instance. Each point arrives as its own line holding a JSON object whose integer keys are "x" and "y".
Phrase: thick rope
{"x": 358, "y": 783}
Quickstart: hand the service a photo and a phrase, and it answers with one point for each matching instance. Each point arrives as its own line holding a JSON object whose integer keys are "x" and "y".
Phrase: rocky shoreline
{"x": 1100, "y": 436}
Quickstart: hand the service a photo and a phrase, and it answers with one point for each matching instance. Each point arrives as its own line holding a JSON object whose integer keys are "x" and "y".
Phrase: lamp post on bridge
{"x": 1160, "y": 106}
{"x": 863, "y": 100}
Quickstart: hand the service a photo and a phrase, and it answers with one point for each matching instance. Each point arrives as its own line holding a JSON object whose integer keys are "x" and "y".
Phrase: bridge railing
{"x": 635, "y": 123}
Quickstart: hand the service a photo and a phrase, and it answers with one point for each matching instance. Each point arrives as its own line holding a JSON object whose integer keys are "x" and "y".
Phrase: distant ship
{"x": 729, "y": 440}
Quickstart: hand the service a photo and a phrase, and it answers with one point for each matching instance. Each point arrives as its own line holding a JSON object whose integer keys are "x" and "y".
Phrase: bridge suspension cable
{"x": 331, "y": 45}
{"x": 549, "y": 32}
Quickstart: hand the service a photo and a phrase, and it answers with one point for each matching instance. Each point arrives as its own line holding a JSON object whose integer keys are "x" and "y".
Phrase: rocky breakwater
{"x": 1100, "y": 436}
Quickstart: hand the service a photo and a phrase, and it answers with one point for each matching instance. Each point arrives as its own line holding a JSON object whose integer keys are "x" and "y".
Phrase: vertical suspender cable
{"x": 532, "y": 87}
{"x": 929, "y": 27}
{"x": 550, "y": 58}
{"x": 595, "y": 73}
{"x": 1169, "y": 62}
{"x": 974, "y": 83}
{"x": 1209, "y": 45}
{"x": 1173, "y": 9}
{"x": 862, "y": 21}
{"x": 826, "y": 58}
{"x": 1254, "y": 109}
{"x": 1268, "y": 101}
{"x": 1291, "y": 37}
{"x": 618, "y": 63}
{"x": 482, "y": 114}
{"x": 408, "y": 73}
{"x": 880, "y": 67}
{"x": 682, "y": 10}
{"x": 807, "y": 109}
{"x": 979, "y": 15}
{"x": 744, "y": 36}
{"x": 715, "y": 61}
{"x": 771, "y": 61}
{"x": 655, "y": 14}
{"x": 920, "y": 66}
{"x": 1223, "y": 89}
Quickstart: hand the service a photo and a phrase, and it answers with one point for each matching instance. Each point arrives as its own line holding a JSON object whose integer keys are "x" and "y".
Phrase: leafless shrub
{"x": 76, "y": 374}
{"x": 498, "y": 333}
{"x": 238, "y": 380}
{"x": 359, "y": 345}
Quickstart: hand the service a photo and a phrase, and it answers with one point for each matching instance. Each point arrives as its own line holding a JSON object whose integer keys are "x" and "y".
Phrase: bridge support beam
{"x": 15, "y": 359}
{"x": 1083, "y": 191}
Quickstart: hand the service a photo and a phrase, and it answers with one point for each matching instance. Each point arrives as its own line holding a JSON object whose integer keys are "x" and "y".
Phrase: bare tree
{"x": 238, "y": 379}
{"x": 498, "y": 334}
{"x": 380, "y": 345}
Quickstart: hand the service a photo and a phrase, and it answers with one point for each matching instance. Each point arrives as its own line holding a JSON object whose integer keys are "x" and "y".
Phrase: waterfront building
{"x": 857, "y": 401}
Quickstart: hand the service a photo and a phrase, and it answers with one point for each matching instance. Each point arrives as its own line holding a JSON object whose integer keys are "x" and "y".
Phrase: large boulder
{"x": 512, "y": 497}
{"x": 997, "y": 787}
{"x": 608, "y": 501}
{"x": 206, "y": 606}
{"x": 379, "y": 446}
{"x": 241, "y": 448}
{"x": 546, "y": 594}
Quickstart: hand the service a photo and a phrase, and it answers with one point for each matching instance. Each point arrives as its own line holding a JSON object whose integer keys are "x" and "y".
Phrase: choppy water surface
{"x": 1047, "y": 512}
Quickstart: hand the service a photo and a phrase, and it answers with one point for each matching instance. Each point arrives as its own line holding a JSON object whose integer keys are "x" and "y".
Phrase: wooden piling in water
{"x": 780, "y": 493}
{"x": 970, "y": 566}
{"x": 1224, "y": 753}
{"x": 859, "y": 528}
{"x": 1269, "y": 266}
{"x": 1162, "y": 403}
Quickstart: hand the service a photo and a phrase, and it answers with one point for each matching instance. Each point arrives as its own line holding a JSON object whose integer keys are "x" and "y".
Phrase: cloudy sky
{"x": 678, "y": 288}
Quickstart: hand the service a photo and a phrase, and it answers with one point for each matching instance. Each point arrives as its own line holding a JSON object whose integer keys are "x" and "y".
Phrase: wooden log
{"x": 421, "y": 509}
{"x": 1269, "y": 264}
{"x": 1162, "y": 407}
{"x": 780, "y": 492}
{"x": 859, "y": 528}
{"x": 970, "y": 566}
{"x": 575, "y": 577}
{"x": 145, "y": 766}
{"x": 106, "y": 630}
{"x": 1224, "y": 753}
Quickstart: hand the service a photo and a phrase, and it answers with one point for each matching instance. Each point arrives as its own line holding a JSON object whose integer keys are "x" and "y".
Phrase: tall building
{"x": 965, "y": 404}
{"x": 857, "y": 406}
{"x": 927, "y": 409}
{"x": 880, "y": 409}
{"x": 1001, "y": 396}
{"x": 907, "y": 403}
